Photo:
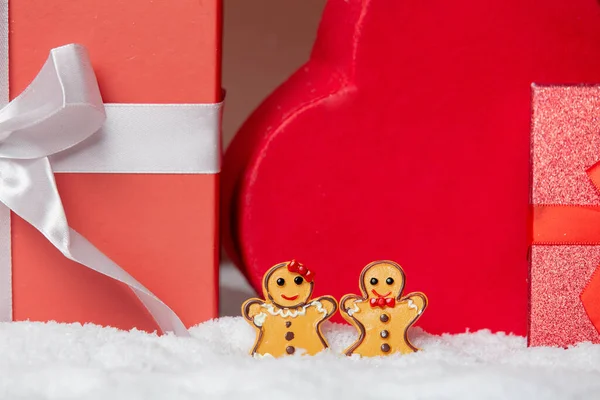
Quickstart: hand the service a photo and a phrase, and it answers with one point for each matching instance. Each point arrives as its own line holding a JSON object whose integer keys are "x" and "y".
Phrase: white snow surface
{"x": 71, "y": 361}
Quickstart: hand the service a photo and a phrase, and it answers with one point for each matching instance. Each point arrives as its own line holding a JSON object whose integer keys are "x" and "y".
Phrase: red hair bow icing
{"x": 295, "y": 266}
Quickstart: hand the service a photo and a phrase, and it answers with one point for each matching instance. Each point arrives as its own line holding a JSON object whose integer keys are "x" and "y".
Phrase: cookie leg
{"x": 266, "y": 349}
{"x": 355, "y": 346}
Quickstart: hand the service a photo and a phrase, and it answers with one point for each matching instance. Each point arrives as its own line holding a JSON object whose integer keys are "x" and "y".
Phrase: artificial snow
{"x": 60, "y": 361}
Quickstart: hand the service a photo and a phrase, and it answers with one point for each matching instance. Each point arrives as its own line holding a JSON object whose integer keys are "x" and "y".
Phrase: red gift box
{"x": 406, "y": 137}
{"x": 565, "y": 256}
{"x": 158, "y": 225}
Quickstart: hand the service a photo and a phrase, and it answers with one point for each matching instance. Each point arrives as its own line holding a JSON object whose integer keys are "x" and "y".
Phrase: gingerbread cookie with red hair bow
{"x": 382, "y": 315}
{"x": 288, "y": 321}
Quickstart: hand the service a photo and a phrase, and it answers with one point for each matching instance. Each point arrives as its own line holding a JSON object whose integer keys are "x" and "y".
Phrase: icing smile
{"x": 289, "y": 298}
{"x": 378, "y": 295}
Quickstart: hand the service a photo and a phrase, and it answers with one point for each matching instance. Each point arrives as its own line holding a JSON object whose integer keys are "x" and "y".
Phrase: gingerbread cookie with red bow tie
{"x": 288, "y": 321}
{"x": 382, "y": 315}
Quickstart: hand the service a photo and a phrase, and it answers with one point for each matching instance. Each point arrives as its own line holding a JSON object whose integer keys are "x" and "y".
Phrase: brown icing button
{"x": 289, "y": 336}
{"x": 290, "y": 349}
{"x": 385, "y": 347}
{"x": 384, "y": 334}
{"x": 384, "y": 318}
{"x": 288, "y": 324}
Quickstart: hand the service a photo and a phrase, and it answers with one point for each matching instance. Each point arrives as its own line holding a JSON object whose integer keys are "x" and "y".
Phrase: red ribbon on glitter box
{"x": 565, "y": 252}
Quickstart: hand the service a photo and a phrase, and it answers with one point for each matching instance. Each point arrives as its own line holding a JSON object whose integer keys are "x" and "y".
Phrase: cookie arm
{"x": 348, "y": 307}
{"x": 251, "y": 308}
{"x": 329, "y": 304}
{"x": 416, "y": 303}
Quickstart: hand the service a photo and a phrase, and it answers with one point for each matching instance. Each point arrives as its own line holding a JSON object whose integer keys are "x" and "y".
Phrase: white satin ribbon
{"x": 176, "y": 138}
{"x": 54, "y": 124}
{"x": 61, "y": 108}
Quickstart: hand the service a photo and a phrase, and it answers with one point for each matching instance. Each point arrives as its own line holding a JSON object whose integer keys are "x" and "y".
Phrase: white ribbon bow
{"x": 61, "y": 108}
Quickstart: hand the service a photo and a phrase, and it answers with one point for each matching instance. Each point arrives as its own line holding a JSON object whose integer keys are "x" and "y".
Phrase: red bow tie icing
{"x": 298, "y": 268}
{"x": 383, "y": 302}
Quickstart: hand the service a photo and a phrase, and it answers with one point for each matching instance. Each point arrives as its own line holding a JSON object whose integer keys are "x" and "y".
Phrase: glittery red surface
{"x": 558, "y": 275}
{"x": 565, "y": 143}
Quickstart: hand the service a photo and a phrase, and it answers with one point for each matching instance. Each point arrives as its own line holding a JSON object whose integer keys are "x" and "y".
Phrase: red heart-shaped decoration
{"x": 406, "y": 137}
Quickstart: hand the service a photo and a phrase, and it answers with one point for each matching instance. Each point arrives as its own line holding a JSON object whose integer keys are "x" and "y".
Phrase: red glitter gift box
{"x": 565, "y": 253}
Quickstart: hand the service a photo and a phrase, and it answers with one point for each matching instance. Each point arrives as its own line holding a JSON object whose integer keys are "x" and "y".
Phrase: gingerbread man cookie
{"x": 381, "y": 315}
{"x": 288, "y": 322}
